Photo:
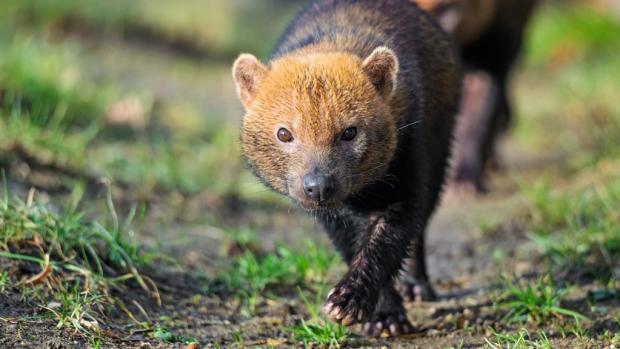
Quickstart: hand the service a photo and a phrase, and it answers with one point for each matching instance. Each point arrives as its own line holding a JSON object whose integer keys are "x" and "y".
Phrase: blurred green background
{"x": 131, "y": 90}
{"x": 141, "y": 92}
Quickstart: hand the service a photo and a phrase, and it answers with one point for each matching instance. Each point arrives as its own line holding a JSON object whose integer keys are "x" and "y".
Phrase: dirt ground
{"x": 461, "y": 261}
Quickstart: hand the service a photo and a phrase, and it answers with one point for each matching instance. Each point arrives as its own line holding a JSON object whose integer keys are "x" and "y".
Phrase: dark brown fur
{"x": 387, "y": 69}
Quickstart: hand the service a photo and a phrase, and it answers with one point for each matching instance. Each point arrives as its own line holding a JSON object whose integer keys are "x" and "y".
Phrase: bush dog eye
{"x": 349, "y": 134}
{"x": 285, "y": 135}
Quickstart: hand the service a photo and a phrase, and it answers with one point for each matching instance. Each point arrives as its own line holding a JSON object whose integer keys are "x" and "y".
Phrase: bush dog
{"x": 352, "y": 118}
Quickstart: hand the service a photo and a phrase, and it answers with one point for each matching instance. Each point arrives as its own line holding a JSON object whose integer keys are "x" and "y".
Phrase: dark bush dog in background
{"x": 352, "y": 118}
{"x": 489, "y": 34}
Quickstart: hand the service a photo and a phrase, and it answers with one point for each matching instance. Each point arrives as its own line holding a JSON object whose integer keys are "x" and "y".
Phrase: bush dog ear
{"x": 248, "y": 73}
{"x": 382, "y": 68}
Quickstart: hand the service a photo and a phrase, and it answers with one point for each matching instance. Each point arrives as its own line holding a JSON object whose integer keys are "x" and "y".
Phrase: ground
{"x": 180, "y": 247}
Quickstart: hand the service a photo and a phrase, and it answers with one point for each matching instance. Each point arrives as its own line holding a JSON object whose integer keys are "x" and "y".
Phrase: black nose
{"x": 317, "y": 187}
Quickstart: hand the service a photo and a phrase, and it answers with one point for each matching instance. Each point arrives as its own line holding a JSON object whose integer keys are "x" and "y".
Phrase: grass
{"x": 75, "y": 308}
{"x": 186, "y": 165}
{"x": 42, "y": 16}
{"x": 166, "y": 336}
{"x": 537, "y": 301}
{"x": 58, "y": 108}
{"x": 237, "y": 25}
{"x": 4, "y": 281}
{"x": 54, "y": 113}
{"x": 611, "y": 336}
{"x": 575, "y": 226}
{"x": 520, "y": 340}
{"x": 578, "y": 229}
{"x": 318, "y": 331}
{"x": 570, "y": 32}
{"x": 52, "y": 89}
{"x": 252, "y": 274}
{"x": 46, "y": 109}
{"x": 578, "y": 46}
{"x": 80, "y": 261}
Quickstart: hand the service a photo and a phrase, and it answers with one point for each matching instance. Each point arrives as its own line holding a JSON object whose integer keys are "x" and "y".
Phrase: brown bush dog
{"x": 490, "y": 36}
{"x": 352, "y": 118}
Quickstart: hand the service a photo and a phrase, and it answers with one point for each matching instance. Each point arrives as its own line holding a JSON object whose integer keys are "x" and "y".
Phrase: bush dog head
{"x": 313, "y": 122}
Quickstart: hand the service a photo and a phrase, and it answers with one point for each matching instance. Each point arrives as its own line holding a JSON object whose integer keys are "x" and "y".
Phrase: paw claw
{"x": 348, "y": 305}
{"x": 338, "y": 313}
{"x": 347, "y": 320}
{"x": 327, "y": 308}
{"x": 394, "y": 330}
{"x": 414, "y": 291}
{"x": 388, "y": 326}
{"x": 331, "y": 292}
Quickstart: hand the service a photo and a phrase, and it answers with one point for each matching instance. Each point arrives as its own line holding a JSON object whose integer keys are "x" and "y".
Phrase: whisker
{"x": 411, "y": 124}
{"x": 366, "y": 172}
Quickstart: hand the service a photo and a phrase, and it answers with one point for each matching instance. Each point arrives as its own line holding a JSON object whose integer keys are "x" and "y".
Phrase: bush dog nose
{"x": 318, "y": 187}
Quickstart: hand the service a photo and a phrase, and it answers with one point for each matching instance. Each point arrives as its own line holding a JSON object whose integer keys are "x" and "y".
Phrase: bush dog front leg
{"x": 373, "y": 267}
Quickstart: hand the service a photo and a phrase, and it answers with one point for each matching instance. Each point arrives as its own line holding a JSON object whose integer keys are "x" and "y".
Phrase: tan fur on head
{"x": 317, "y": 96}
{"x": 381, "y": 66}
{"x": 248, "y": 73}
